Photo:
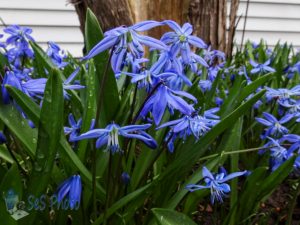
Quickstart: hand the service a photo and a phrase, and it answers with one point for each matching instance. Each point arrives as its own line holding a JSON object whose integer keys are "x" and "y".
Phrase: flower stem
{"x": 234, "y": 152}
{"x": 147, "y": 98}
{"x": 94, "y": 155}
{"x": 293, "y": 204}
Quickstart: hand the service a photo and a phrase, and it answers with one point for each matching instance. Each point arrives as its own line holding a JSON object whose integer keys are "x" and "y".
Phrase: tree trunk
{"x": 209, "y": 20}
{"x": 110, "y": 13}
{"x": 208, "y": 17}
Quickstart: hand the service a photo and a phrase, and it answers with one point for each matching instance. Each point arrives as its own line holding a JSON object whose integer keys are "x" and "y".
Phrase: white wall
{"x": 271, "y": 20}
{"x": 54, "y": 20}
{"x": 51, "y": 20}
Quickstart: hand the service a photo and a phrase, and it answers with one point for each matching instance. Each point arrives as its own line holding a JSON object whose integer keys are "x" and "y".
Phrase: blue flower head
{"x": 180, "y": 40}
{"x": 216, "y": 183}
{"x": 71, "y": 188}
{"x": 274, "y": 126}
{"x": 56, "y": 54}
{"x": 2, "y": 138}
{"x": 127, "y": 38}
{"x": 74, "y": 128}
{"x": 18, "y": 34}
{"x": 279, "y": 154}
{"x": 261, "y": 68}
{"x": 110, "y": 136}
{"x": 163, "y": 97}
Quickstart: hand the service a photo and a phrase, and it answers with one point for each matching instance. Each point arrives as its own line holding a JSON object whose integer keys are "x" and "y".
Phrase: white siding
{"x": 57, "y": 21}
{"x": 272, "y": 20}
{"x": 53, "y": 20}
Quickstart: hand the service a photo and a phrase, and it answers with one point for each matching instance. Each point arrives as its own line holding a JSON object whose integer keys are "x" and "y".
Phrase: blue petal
{"x": 131, "y": 128}
{"x": 145, "y": 25}
{"x": 151, "y": 42}
{"x": 104, "y": 44}
{"x": 75, "y": 191}
{"x": 187, "y": 29}
{"x": 263, "y": 121}
{"x": 102, "y": 140}
{"x": 173, "y": 25}
{"x": 194, "y": 187}
{"x": 207, "y": 173}
{"x": 92, "y": 134}
{"x": 197, "y": 42}
{"x": 270, "y": 117}
{"x": 233, "y": 175}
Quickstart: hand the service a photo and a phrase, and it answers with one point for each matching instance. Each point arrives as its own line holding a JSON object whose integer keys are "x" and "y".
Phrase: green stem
{"x": 108, "y": 188}
{"x": 234, "y": 152}
{"x": 293, "y": 204}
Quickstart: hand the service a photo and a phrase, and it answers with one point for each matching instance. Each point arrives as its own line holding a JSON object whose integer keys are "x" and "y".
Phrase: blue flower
{"x": 163, "y": 97}
{"x": 205, "y": 85}
{"x": 187, "y": 125}
{"x": 278, "y": 153}
{"x": 74, "y": 128}
{"x": 292, "y": 70}
{"x": 33, "y": 87}
{"x": 261, "y": 68}
{"x": 282, "y": 93}
{"x": 216, "y": 183}
{"x": 2, "y": 138}
{"x": 181, "y": 39}
{"x": 2, "y": 45}
{"x": 56, "y": 54}
{"x": 292, "y": 138}
{"x": 211, "y": 56}
{"x": 125, "y": 178}
{"x": 18, "y": 34}
{"x": 71, "y": 187}
{"x": 127, "y": 37}
{"x": 275, "y": 126}
{"x": 110, "y": 136}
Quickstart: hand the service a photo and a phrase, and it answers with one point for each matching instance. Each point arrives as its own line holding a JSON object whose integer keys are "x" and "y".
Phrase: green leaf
{"x": 49, "y": 132}
{"x": 5, "y": 155}
{"x": 110, "y": 95}
{"x": 171, "y": 217}
{"x": 90, "y": 109}
{"x": 122, "y": 202}
{"x": 19, "y": 127}
{"x": 28, "y": 136}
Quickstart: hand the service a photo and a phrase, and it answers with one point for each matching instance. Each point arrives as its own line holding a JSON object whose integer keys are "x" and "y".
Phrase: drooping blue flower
{"x": 294, "y": 139}
{"x": 56, "y": 54}
{"x": 261, "y": 68}
{"x": 190, "y": 125}
{"x": 72, "y": 188}
{"x": 292, "y": 70}
{"x": 109, "y": 136}
{"x": 274, "y": 126}
{"x": 33, "y": 87}
{"x": 125, "y": 178}
{"x": 278, "y": 153}
{"x": 163, "y": 97}
{"x": 292, "y": 106}
{"x": 16, "y": 53}
{"x": 216, "y": 183}
{"x": 205, "y": 85}
{"x": 282, "y": 93}
{"x": 2, "y": 138}
{"x": 211, "y": 56}
{"x": 127, "y": 38}
{"x": 181, "y": 39}
{"x": 74, "y": 128}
